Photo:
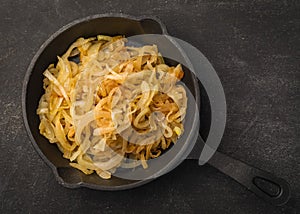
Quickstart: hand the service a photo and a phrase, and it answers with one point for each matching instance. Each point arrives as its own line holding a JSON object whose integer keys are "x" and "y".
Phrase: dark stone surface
{"x": 254, "y": 48}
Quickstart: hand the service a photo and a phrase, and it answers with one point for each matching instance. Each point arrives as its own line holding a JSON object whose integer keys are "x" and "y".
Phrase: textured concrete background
{"x": 254, "y": 48}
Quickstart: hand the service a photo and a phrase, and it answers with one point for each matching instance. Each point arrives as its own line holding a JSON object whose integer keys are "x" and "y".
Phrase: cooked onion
{"x": 118, "y": 107}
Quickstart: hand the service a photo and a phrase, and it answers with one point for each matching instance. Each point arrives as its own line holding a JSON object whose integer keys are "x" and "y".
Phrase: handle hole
{"x": 267, "y": 186}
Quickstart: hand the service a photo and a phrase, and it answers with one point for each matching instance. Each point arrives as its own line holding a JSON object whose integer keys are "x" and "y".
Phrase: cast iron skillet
{"x": 272, "y": 189}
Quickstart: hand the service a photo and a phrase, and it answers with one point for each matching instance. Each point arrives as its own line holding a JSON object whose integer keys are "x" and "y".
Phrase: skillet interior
{"x": 32, "y": 91}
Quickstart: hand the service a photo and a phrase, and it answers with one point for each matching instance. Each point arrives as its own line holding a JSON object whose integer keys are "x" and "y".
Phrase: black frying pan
{"x": 265, "y": 185}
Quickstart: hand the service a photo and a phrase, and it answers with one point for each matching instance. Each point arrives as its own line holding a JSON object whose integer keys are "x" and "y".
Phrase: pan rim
{"x": 24, "y": 95}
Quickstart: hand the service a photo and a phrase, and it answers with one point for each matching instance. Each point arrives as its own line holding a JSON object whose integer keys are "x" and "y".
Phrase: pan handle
{"x": 265, "y": 185}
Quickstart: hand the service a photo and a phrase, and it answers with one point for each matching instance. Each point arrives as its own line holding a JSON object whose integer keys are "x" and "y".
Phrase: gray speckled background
{"x": 254, "y": 48}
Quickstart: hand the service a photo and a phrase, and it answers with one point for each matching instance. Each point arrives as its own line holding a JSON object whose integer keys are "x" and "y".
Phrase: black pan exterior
{"x": 109, "y": 24}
